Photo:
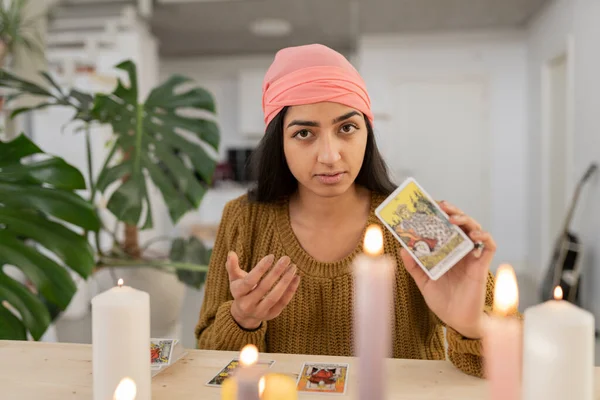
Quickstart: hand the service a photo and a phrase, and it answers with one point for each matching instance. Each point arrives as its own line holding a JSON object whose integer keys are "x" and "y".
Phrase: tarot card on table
{"x": 423, "y": 229}
{"x": 161, "y": 351}
{"x": 323, "y": 378}
{"x": 229, "y": 370}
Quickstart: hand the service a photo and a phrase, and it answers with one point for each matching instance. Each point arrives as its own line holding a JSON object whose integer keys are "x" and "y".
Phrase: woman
{"x": 280, "y": 274}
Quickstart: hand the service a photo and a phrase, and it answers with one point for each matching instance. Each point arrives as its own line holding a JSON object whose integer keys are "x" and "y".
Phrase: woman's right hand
{"x": 255, "y": 299}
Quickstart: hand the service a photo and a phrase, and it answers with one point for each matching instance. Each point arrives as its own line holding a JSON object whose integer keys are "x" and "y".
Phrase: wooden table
{"x": 59, "y": 371}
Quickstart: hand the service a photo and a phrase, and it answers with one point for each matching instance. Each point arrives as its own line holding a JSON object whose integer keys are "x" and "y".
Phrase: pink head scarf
{"x": 312, "y": 74}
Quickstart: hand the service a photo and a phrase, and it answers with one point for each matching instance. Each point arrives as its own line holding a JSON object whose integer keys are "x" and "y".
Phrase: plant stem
{"x": 131, "y": 243}
{"x": 115, "y": 262}
{"x": 88, "y": 149}
{"x": 137, "y": 169}
{"x": 90, "y": 165}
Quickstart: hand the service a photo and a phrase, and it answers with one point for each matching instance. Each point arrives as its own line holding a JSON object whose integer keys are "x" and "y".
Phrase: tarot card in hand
{"x": 424, "y": 229}
{"x": 230, "y": 368}
{"x": 161, "y": 351}
{"x": 329, "y": 378}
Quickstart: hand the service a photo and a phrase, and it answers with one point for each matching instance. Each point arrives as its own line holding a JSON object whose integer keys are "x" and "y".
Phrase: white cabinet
{"x": 251, "y": 122}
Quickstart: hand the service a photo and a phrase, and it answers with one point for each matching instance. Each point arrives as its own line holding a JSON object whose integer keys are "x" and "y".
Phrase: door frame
{"x": 567, "y": 50}
{"x": 456, "y": 76}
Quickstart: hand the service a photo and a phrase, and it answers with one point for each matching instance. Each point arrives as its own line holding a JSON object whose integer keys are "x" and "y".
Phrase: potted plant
{"x": 41, "y": 220}
{"x": 154, "y": 141}
{"x": 18, "y": 30}
{"x": 19, "y": 34}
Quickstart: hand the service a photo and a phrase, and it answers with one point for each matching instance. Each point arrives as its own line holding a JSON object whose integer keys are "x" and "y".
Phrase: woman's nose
{"x": 329, "y": 152}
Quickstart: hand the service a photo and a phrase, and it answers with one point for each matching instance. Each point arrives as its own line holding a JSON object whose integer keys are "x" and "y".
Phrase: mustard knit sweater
{"x": 318, "y": 320}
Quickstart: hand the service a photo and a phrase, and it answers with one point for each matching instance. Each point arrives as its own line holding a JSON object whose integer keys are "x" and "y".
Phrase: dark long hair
{"x": 274, "y": 180}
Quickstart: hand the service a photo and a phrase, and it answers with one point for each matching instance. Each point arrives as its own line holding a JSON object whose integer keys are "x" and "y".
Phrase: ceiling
{"x": 212, "y": 27}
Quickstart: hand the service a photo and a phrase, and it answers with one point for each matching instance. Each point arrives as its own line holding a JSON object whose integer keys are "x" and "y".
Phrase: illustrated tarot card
{"x": 329, "y": 378}
{"x": 161, "y": 351}
{"x": 229, "y": 370}
{"x": 424, "y": 229}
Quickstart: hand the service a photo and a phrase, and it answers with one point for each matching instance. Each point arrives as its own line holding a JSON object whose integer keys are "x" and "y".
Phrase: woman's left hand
{"x": 458, "y": 297}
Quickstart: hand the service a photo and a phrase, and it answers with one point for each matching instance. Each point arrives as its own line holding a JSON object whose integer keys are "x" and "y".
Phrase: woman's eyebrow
{"x": 303, "y": 123}
{"x": 315, "y": 123}
{"x": 345, "y": 116}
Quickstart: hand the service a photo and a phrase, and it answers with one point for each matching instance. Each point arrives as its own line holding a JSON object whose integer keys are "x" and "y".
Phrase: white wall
{"x": 219, "y": 75}
{"x": 560, "y": 22}
{"x": 500, "y": 59}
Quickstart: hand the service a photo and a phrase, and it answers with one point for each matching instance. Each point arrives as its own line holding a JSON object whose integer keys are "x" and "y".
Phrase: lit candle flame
{"x": 126, "y": 390}
{"x": 249, "y": 355}
{"x": 261, "y": 386}
{"x": 120, "y": 282}
{"x": 373, "y": 243}
{"x": 506, "y": 292}
{"x": 558, "y": 293}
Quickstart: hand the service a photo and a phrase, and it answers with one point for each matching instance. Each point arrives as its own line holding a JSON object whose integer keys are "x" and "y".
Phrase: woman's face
{"x": 324, "y": 146}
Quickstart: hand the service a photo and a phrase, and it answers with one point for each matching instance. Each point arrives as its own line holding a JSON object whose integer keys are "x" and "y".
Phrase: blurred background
{"x": 492, "y": 105}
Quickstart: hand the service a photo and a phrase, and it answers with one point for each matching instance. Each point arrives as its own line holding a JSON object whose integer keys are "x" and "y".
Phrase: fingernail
{"x": 476, "y": 233}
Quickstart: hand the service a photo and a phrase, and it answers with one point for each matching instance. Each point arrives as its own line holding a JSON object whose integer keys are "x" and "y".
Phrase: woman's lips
{"x": 330, "y": 178}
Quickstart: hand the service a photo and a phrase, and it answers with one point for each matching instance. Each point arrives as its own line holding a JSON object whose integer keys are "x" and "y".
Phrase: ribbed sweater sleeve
{"x": 216, "y": 328}
{"x": 466, "y": 354}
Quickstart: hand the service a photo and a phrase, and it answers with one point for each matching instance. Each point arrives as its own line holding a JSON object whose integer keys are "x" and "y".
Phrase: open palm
{"x": 458, "y": 297}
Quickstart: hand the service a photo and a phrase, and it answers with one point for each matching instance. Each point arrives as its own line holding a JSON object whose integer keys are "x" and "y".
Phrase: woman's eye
{"x": 303, "y": 134}
{"x": 348, "y": 128}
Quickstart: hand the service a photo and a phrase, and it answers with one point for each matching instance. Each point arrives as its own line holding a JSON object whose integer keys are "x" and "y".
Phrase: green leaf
{"x": 12, "y": 81}
{"x": 190, "y": 251}
{"x": 11, "y": 327}
{"x": 112, "y": 174}
{"x": 53, "y": 171}
{"x": 176, "y": 201}
{"x": 127, "y": 201}
{"x": 33, "y": 314}
{"x": 128, "y": 94}
{"x": 184, "y": 179}
{"x": 60, "y": 204}
{"x": 204, "y": 130}
{"x": 159, "y": 96}
{"x": 79, "y": 101}
{"x": 13, "y": 151}
{"x": 203, "y": 164}
{"x": 52, "y": 82}
{"x": 50, "y": 278}
{"x": 71, "y": 248}
{"x": 22, "y": 110}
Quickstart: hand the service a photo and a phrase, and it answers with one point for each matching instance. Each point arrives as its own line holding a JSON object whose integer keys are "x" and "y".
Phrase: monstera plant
{"x": 154, "y": 140}
{"x": 41, "y": 219}
{"x": 165, "y": 139}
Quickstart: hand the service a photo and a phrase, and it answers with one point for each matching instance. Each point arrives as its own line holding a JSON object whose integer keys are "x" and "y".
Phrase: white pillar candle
{"x": 248, "y": 375}
{"x": 374, "y": 280}
{"x": 503, "y": 338}
{"x": 121, "y": 341}
{"x": 558, "y": 354}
